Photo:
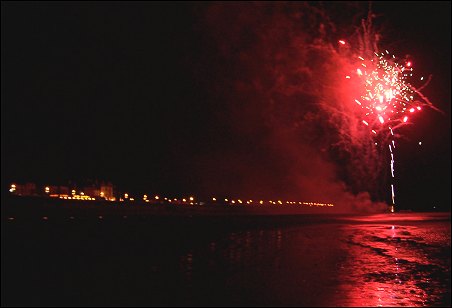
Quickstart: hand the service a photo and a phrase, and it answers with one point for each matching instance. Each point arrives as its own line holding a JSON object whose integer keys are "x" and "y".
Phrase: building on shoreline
{"x": 95, "y": 190}
{"x": 27, "y": 189}
{"x": 102, "y": 191}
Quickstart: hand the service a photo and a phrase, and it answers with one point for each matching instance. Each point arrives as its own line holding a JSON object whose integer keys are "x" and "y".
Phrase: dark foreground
{"x": 305, "y": 260}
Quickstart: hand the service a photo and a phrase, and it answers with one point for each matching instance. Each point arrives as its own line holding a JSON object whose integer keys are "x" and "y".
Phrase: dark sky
{"x": 131, "y": 93}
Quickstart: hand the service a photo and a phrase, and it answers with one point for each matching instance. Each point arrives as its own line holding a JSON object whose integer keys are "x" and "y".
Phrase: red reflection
{"x": 394, "y": 269}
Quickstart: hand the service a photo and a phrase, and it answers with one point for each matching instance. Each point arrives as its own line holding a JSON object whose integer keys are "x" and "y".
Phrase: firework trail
{"x": 385, "y": 96}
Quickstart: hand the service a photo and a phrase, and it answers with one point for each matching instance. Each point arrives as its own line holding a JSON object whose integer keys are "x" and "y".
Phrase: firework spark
{"x": 386, "y": 99}
{"x": 386, "y": 95}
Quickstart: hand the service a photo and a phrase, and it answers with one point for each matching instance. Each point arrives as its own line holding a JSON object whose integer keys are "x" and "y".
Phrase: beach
{"x": 294, "y": 260}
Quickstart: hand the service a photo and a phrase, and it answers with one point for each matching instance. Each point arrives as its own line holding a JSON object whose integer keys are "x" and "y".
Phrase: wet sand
{"x": 298, "y": 260}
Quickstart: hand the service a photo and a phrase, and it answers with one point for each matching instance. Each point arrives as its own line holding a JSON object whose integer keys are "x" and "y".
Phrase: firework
{"x": 386, "y": 97}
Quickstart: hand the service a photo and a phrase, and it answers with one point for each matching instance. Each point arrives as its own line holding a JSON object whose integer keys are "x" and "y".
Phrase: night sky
{"x": 139, "y": 94}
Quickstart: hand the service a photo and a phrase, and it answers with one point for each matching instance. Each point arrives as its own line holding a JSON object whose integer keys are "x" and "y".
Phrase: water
{"x": 396, "y": 265}
{"x": 376, "y": 260}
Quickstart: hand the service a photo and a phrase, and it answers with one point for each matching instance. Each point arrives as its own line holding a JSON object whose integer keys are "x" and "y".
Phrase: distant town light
{"x": 189, "y": 200}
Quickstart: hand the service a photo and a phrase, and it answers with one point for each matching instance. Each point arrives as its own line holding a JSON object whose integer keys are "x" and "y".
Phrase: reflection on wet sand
{"x": 374, "y": 260}
{"x": 330, "y": 265}
{"x": 396, "y": 265}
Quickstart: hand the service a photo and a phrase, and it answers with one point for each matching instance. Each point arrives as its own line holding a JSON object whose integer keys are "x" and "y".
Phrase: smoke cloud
{"x": 278, "y": 87}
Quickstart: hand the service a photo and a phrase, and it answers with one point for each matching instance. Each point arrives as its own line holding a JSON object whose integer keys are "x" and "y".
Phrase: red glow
{"x": 383, "y": 90}
{"x": 401, "y": 287}
{"x": 342, "y": 42}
